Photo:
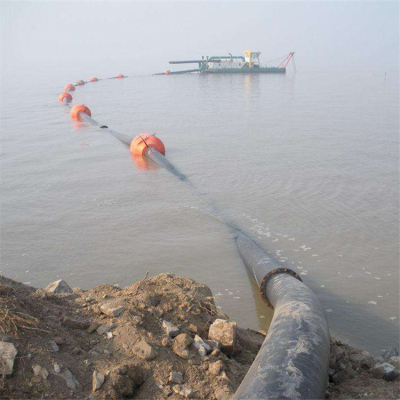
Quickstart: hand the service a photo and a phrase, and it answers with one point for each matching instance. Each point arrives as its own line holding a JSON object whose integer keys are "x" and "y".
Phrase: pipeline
{"x": 143, "y": 145}
{"x": 293, "y": 360}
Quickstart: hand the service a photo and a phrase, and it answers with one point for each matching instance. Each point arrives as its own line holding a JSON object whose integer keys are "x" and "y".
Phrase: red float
{"x": 69, "y": 88}
{"x": 142, "y": 142}
{"x": 66, "y": 96}
{"x": 77, "y": 110}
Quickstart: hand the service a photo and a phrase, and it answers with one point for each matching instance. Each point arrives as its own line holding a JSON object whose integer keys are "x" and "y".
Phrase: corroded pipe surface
{"x": 293, "y": 360}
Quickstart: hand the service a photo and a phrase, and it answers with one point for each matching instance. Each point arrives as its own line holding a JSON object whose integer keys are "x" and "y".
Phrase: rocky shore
{"x": 162, "y": 337}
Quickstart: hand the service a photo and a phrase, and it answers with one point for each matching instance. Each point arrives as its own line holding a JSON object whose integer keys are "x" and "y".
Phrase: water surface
{"x": 306, "y": 164}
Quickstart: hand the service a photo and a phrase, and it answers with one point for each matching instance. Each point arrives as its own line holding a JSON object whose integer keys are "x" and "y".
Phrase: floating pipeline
{"x": 293, "y": 360}
{"x": 144, "y": 145}
{"x": 65, "y": 98}
{"x": 69, "y": 87}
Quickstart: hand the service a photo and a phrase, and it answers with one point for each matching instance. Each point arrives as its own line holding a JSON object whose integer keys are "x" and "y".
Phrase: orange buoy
{"x": 79, "y": 82}
{"x": 77, "y": 110}
{"x": 119, "y": 76}
{"x": 141, "y": 142}
{"x": 70, "y": 87}
{"x": 167, "y": 72}
{"x": 63, "y": 96}
{"x": 93, "y": 79}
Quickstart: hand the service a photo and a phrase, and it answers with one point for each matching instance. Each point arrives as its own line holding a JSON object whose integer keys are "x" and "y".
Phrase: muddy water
{"x": 306, "y": 164}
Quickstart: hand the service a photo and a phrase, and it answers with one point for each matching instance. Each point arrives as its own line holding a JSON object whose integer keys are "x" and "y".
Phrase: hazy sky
{"x": 323, "y": 34}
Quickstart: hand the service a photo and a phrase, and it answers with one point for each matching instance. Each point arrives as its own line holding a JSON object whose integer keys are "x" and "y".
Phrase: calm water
{"x": 305, "y": 164}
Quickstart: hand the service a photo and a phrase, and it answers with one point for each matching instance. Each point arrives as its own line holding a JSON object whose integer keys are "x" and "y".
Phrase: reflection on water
{"x": 143, "y": 163}
{"x": 304, "y": 164}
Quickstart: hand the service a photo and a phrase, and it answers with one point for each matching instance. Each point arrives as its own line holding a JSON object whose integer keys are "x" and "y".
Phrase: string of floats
{"x": 144, "y": 145}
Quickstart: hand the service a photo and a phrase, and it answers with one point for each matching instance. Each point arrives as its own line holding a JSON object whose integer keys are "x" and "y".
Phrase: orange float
{"x": 77, "y": 110}
{"x": 63, "y": 96}
{"x": 120, "y": 76}
{"x": 93, "y": 79}
{"x": 79, "y": 82}
{"x": 141, "y": 142}
{"x": 70, "y": 87}
{"x": 167, "y": 72}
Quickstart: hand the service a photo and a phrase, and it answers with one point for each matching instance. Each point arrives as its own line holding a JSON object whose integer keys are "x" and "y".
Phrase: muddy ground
{"x": 109, "y": 342}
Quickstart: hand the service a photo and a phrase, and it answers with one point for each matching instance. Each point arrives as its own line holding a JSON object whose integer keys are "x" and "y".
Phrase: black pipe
{"x": 293, "y": 360}
{"x": 162, "y": 162}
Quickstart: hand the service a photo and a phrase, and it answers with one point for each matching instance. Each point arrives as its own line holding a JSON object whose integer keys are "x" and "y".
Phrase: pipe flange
{"x": 276, "y": 271}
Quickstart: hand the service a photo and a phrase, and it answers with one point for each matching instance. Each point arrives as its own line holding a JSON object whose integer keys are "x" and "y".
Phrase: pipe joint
{"x": 271, "y": 274}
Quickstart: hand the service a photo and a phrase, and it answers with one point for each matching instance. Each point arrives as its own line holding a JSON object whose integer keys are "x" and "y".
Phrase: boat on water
{"x": 248, "y": 63}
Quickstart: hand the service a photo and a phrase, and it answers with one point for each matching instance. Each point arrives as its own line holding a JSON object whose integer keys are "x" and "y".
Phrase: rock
{"x": 224, "y": 377}
{"x": 215, "y": 353}
{"x": 93, "y": 326}
{"x": 339, "y": 352}
{"x": 213, "y": 344}
{"x": 384, "y": 371}
{"x": 109, "y": 335}
{"x": 344, "y": 375}
{"x": 180, "y": 345}
{"x": 122, "y": 370}
{"x": 183, "y": 340}
{"x": 165, "y": 342}
{"x": 102, "y": 329}
{"x": 183, "y": 391}
{"x": 75, "y": 324}
{"x": 390, "y": 352}
{"x": 111, "y": 311}
{"x": 225, "y": 333}
{"x": 167, "y": 390}
{"x": 144, "y": 351}
{"x": 41, "y": 372}
{"x": 97, "y": 381}
{"x": 222, "y": 394}
{"x": 202, "y": 351}
{"x": 332, "y": 359}
{"x": 192, "y": 328}
{"x": 76, "y": 350}
{"x": 215, "y": 368}
{"x": 8, "y": 353}
{"x": 59, "y": 340}
{"x": 58, "y": 287}
{"x": 339, "y": 366}
{"x": 361, "y": 360}
{"x": 175, "y": 377}
{"x": 199, "y": 342}
{"x": 57, "y": 368}
{"x": 53, "y": 345}
{"x": 170, "y": 329}
{"x": 137, "y": 320}
{"x": 395, "y": 361}
{"x": 71, "y": 381}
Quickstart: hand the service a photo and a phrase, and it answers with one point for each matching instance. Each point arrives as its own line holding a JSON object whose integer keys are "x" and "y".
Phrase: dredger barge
{"x": 249, "y": 63}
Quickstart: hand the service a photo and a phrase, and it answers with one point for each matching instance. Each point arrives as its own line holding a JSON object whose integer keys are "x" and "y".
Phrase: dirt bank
{"x": 150, "y": 340}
